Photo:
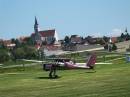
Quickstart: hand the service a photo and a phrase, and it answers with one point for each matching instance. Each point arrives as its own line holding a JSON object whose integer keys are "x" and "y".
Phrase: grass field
{"x": 108, "y": 81}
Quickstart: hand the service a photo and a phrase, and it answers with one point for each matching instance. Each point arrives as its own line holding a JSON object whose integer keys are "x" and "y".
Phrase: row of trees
{"x": 27, "y": 41}
{"x": 26, "y": 52}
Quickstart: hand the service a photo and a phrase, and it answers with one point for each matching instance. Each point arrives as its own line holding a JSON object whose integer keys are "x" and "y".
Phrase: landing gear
{"x": 50, "y": 75}
{"x": 53, "y": 71}
{"x": 56, "y": 76}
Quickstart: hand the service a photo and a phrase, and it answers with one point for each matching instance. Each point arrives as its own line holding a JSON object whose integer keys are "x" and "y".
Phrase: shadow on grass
{"x": 90, "y": 72}
{"x": 47, "y": 77}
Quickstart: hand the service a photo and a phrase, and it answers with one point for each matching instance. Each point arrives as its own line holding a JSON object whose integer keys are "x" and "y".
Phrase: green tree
{"x": 18, "y": 54}
{"x": 40, "y": 54}
{"x": 127, "y": 35}
{"x": 122, "y": 35}
{"x": 29, "y": 41}
{"x": 82, "y": 37}
{"x": 13, "y": 40}
{"x": 4, "y": 56}
{"x": 114, "y": 47}
{"x": 62, "y": 42}
{"x": 67, "y": 39}
{"x": 105, "y": 38}
{"x": 30, "y": 52}
{"x": 100, "y": 42}
{"x": 53, "y": 56}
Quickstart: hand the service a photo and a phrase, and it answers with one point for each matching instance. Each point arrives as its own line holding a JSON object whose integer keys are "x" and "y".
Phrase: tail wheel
{"x": 56, "y": 76}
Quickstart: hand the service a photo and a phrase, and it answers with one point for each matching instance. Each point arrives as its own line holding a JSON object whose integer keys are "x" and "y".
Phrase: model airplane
{"x": 52, "y": 67}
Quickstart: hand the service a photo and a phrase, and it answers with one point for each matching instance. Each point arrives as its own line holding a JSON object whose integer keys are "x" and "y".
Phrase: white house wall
{"x": 49, "y": 53}
{"x": 56, "y": 36}
{"x": 48, "y": 39}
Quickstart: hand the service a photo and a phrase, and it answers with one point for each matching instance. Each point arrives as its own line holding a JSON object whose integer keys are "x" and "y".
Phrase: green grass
{"x": 108, "y": 81}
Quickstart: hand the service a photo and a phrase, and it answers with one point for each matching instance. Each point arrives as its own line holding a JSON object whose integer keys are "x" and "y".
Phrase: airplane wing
{"x": 33, "y": 60}
{"x": 59, "y": 59}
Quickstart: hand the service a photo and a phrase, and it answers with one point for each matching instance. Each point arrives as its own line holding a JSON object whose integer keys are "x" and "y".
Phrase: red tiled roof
{"x": 45, "y": 33}
{"x": 36, "y": 47}
{"x": 1, "y": 40}
{"x": 7, "y": 42}
{"x": 21, "y": 39}
{"x": 114, "y": 39}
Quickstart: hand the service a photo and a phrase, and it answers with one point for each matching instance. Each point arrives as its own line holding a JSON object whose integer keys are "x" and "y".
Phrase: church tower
{"x": 36, "y": 26}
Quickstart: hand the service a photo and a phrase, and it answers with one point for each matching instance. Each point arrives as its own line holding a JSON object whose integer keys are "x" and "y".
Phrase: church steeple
{"x": 36, "y": 21}
{"x": 36, "y": 26}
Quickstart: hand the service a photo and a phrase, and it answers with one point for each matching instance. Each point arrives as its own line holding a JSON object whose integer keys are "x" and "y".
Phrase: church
{"x": 45, "y": 35}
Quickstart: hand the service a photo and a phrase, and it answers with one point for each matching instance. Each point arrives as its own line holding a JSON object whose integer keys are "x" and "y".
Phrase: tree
{"x": 13, "y": 40}
{"x": 30, "y": 52}
{"x": 114, "y": 47}
{"x": 4, "y": 56}
{"x": 3, "y": 47}
{"x": 67, "y": 39}
{"x": 127, "y": 35}
{"x": 100, "y": 42}
{"x": 40, "y": 54}
{"x": 18, "y": 54}
{"x": 122, "y": 35}
{"x": 62, "y": 42}
{"x": 105, "y": 38}
{"x": 29, "y": 41}
{"x": 82, "y": 37}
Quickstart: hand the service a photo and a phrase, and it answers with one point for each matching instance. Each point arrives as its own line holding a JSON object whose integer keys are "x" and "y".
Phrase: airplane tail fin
{"x": 91, "y": 61}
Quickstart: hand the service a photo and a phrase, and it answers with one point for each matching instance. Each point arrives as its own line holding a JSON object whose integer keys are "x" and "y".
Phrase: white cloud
{"x": 97, "y": 35}
{"x": 115, "y": 32}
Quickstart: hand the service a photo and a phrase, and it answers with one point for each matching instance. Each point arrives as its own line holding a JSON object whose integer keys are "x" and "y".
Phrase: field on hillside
{"x": 108, "y": 81}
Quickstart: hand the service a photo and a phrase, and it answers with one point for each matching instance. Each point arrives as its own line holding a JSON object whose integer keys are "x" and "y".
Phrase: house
{"x": 8, "y": 43}
{"x": 113, "y": 40}
{"x": 50, "y": 50}
{"x": 45, "y": 35}
{"x": 55, "y": 43}
{"x": 75, "y": 39}
{"x": 89, "y": 40}
{"x": 39, "y": 42}
{"x": 21, "y": 39}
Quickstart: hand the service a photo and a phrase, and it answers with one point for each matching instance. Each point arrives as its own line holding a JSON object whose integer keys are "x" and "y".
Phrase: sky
{"x": 69, "y": 17}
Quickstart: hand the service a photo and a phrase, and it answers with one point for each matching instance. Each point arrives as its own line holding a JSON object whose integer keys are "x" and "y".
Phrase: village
{"x": 47, "y": 41}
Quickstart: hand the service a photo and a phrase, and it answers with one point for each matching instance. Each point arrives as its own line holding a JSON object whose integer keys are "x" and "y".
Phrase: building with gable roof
{"x": 75, "y": 39}
{"x": 46, "y": 35}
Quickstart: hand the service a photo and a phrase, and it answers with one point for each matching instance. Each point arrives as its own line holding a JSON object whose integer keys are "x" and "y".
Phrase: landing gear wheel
{"x": 56, "y": 76}
{"x": 50, "y": 76}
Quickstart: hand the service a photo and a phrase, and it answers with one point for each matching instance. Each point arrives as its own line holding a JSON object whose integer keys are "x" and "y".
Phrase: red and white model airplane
{"x": 52, "y": 67}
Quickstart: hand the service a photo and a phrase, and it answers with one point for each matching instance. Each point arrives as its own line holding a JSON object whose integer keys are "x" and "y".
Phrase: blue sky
{"x": 68, "y": 17}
